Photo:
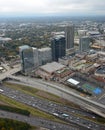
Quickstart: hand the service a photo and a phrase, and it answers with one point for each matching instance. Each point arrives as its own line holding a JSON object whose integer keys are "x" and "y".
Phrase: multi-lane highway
{"x": 35, "y": 121}
{"x": 62, "y": 92}
{"x": 58, "y": 111}
{"x": 63, "y": 112}
{"x": 94, "y": 106}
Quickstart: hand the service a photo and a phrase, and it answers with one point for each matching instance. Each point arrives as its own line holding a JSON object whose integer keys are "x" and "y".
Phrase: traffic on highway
{"x": 63, "y": 112}
{"x": 37, "y": 122}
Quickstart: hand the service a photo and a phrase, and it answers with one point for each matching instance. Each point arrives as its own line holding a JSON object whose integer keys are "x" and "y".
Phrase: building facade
{"x": 44, "y": 55}
{"x": 32, "y": 57}
{"x": 27, "y": 59}
{"x": 58, "y": 46}
{"x": 84, "y": 44}
{"x": 69, "y": 34}
{"x": 36, "y": 57}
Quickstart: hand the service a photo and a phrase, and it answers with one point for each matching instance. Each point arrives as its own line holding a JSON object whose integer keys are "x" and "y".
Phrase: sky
{"x": 52, "y": 7}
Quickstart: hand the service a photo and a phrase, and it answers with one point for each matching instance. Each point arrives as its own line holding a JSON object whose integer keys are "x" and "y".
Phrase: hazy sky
{"x": 49, "y": 7}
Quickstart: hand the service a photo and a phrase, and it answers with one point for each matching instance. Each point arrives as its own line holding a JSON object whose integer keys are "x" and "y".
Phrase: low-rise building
{"x": 59, "y": 74}
{"x": 53, "y": 70}
{"x": 100, "y": 72}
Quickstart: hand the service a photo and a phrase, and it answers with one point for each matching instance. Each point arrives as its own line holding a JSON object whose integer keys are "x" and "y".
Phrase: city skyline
{"x": 49, "y": 8}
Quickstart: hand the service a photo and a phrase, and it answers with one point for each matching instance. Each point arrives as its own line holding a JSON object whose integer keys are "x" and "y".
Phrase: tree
{"x": 11, "y": 129}
{"x": 3, "y": 128}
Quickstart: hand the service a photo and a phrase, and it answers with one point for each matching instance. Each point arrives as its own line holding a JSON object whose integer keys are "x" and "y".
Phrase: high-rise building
{"x": 36, "y": 57}
{"x": 84, "y": 43}
{"x": 69, "y": 34}
{"x": 27, "y": 59}
{"x": 32, "y": 57}
{"x": 45, "y": 55}
{"x": 58, "y": 46}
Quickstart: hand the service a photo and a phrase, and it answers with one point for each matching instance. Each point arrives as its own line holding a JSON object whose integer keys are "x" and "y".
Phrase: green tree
{"x": 3, "y": 128}
{"x": 11, "y": 128}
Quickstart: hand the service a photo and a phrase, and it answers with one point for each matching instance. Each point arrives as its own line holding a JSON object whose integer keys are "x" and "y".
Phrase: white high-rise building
{"x": 27, "y": 58}
{"x": 84, "y": 44}
{"x": 36, "y": 57}
{"x": 45, "y": 55}
{"x": 69, "y": 35}
{"x": 32, "y": 57}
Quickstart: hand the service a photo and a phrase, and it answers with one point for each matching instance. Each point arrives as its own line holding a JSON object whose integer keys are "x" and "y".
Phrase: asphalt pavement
{"x": 60, "y": 111}
{"x": 35, "y": 121}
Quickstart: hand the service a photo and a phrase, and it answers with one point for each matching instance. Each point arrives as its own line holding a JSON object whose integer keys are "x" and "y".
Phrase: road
{"x": 63, "y": 112}
{"x": 35, "y": 121}
{"x": 11, "y": 71}
{"x": 64, "y": 93}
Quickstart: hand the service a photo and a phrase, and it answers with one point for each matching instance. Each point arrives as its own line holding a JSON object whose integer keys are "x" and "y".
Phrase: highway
{"x": 63, "y": 112}
{"x": 56, "y": 89}
{"x": 35, "y": 121}
{"x": 64, "y": 93}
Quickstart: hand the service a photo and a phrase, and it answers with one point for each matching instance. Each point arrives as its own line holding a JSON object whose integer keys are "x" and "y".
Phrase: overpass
{"x": 14, "y": 70}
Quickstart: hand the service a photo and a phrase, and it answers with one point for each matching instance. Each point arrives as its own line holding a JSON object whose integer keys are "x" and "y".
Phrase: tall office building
{"x": 27, "y": 59}
{"x": 84, "y": 43}
{"x": 44, "y": 55}
{"x": 58, "y": 46}
{"x": 32, "y": 57}
{"x": 36, "y": 57}
{"x": 69, "y": 34}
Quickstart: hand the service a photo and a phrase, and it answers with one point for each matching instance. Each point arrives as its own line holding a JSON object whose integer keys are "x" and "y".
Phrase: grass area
{"x": 32, "y": 110}
{"x": 8, "y": 124}
{"x": 14, "y": 109}
{"x": 36, "y": 128}
{"x": 41, "y": 94}
{"x": 33, "y": 128}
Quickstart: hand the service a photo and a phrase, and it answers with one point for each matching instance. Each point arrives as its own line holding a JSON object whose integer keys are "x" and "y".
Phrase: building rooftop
{"x": 101, "y": 53}
{"x": 57, "y": 37}
{"x": 34, "y": 48}
{"x": 101, "y": 70}
{"x": 23, "y": 47}
{"x": 58, "y": 33}
{"x": 73, "y": 81}
{"x": 52, "y": 67}
{"x": 45, "y": 49}
{"x": 93, "y": 33}
{"x": 5, "y": 39}
{"x": 82, "y": 30}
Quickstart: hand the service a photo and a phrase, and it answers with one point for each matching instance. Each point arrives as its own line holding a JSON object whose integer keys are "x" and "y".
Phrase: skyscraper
{"x": 32, "y": 57}
{"x": 58, "y": 46}
{"x": 45, "y": 55}
{"x": 36, "y": 57}
{"x": 69, "y": 34}
{"x": 27, "y": 59}
{"x": 84, "y": 43}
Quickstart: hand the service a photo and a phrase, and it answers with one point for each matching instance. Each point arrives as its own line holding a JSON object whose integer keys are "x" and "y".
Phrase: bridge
{"x": 12, "y": 71}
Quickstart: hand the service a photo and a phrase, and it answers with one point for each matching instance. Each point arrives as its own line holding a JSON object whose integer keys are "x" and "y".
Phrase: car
{"x": 55, "y": 114}
{"x": 1, "y": 90}
{"x": 65, "y": 115}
